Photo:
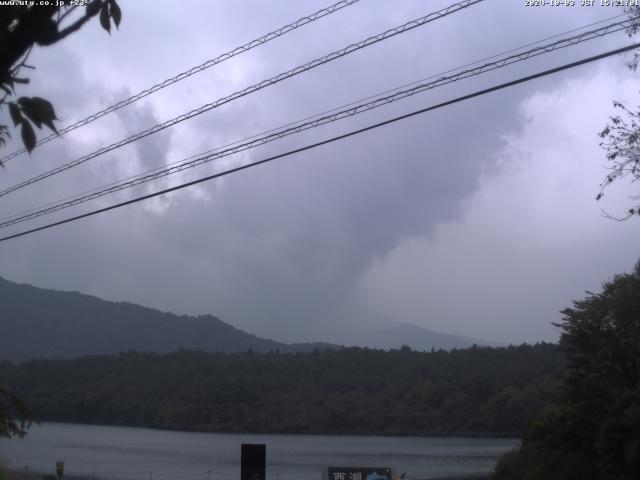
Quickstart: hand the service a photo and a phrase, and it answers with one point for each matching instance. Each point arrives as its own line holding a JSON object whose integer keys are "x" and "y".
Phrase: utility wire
{"x": 354, "y": 102}
{"x": 318, "y": 121}
{"x": 192, "y": 71}
{"x": 84, "y": 196}
{"x": 331, "y": 140}
{"x": 258, "y": 86}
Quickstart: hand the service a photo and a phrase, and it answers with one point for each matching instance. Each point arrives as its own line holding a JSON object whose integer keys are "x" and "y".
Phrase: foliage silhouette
{"x": 23, "y": 26}
{"x": 478, "y": 391}
{"x": 594, "y": 431}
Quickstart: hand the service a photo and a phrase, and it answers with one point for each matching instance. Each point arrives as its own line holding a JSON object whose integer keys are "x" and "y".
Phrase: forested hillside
{"x": 593, "y": 431}
{"x": 475, "y": 391}
{"x": 42, "y": 323}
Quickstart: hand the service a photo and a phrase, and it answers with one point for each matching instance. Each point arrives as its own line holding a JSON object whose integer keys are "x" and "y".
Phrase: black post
{"x": 252, "y": 459}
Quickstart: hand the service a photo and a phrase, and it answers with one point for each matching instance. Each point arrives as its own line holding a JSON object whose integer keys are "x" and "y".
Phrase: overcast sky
{"x": 478, "y": 219}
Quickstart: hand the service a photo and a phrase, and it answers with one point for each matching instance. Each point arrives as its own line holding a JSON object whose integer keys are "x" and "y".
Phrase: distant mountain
{"x": 41, "y": 323}
{"x": 418, "y": 338}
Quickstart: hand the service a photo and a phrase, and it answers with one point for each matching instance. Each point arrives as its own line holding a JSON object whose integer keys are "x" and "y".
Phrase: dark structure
{"x": 253, "y": 458}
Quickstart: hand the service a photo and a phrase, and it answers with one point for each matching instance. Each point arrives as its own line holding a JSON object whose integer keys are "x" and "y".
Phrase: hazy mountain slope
{"x": 36, "y": 322}
{"x": 418, "y": 338}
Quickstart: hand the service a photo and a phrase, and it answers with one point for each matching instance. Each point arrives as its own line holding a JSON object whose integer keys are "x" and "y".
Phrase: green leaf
{"x": 45, "y": 107}
{"x": 4, "y": 132}
{"x": 46, "y": 112}
{"x": 28, "y": 136}
{"x": 27, "y": 107}
{"x": 93, "y": 8}
{"x": 104, "y": 18}
{"x": 115, "y": 11}
{"x": 16, "y": 116}
{"x": 39, "y": 111}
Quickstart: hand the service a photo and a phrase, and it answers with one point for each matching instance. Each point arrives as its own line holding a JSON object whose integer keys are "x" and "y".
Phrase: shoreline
{"x": 252, "y": 433}
{"x": 303, "y": 455}
{"x": 25, "y": 473}
{"x": 28, "y": 474}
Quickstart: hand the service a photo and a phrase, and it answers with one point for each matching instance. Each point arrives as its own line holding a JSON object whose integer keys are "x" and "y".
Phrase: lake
{"x": 126, "y": 453}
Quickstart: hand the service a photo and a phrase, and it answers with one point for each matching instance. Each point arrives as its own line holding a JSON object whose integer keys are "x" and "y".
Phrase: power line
{"x": 331, "y": 140}
{"x": 192, "y": 71}
{"x": 317, "y": 121}
{"x": 258, "y": 86}
{"x": 354, "y": 102}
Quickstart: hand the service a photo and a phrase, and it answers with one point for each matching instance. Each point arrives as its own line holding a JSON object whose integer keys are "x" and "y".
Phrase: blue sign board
{"x": 358, "y": 473}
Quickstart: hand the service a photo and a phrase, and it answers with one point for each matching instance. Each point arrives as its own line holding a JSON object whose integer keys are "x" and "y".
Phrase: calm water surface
{"x": 112, "y": 453}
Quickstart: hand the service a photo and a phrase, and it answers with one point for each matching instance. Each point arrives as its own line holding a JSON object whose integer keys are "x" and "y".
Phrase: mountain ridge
{"x": 45, "y": 323}
{"x": 37, "y": 322}
{"x": 417, "y": 338}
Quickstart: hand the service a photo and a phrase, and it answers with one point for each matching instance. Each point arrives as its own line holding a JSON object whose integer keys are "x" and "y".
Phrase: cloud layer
{"x": 477, "y": 219}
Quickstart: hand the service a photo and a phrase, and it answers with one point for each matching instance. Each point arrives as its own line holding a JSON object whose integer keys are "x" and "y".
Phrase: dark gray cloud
{"x": 383, "y": 227}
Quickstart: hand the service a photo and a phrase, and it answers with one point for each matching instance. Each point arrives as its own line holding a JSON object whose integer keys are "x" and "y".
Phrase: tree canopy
{"x": 23, "y": 26}
{"x": 15, "y": 415}
{"x": 594, "y": 431}
{"x": 476, "y": 391}
{"x": 621, "y": 136}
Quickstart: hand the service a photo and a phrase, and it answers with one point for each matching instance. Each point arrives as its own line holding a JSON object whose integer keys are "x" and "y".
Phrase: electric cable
{"x": 303, "y": 125}
{"x": 192, "y": 71}
{"x": 258, "y": 86}
{"x": 329, "y": 140}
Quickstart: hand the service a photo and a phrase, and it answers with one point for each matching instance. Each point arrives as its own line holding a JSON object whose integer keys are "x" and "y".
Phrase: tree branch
{"x": 68, "y": 30}
{"x": 67, "y": 12}
{"x": 605, "y": 214}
